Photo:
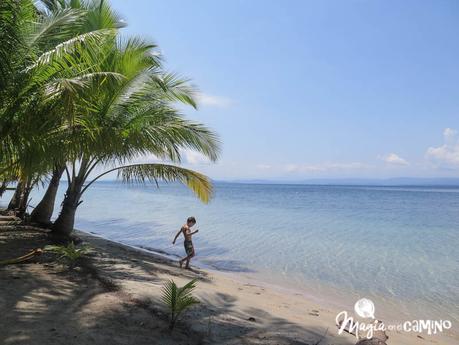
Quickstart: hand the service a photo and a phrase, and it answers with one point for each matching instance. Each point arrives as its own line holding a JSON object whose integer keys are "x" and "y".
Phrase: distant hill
{"x": 398, "y": 181}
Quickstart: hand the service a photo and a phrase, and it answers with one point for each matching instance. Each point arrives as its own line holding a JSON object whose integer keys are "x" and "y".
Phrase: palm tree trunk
{"x": 3, "y": 188}
{"x": 64, "y": 223}
{"x": 16, "y": 199}
{"x": 24, "y": 198}
{"x": 43, "y": 212}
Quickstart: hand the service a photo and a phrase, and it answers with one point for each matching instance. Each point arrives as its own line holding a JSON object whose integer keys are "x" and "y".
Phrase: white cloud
{"x": 447, "y": 155}
{"x": 212, "y": 101}
{"x": 143, "y": 159}
{"x": 263, "y": 166}
{"x": 188, "y": 157}
{"x": 394, "y": 159}
{"x": 194, "y": 158}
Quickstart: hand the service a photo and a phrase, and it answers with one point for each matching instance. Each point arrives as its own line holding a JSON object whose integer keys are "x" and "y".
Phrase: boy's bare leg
{"x": 188, "y": 259}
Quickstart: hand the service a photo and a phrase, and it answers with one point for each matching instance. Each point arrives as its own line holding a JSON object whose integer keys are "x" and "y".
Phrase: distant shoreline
{"x": 441, "y": 183}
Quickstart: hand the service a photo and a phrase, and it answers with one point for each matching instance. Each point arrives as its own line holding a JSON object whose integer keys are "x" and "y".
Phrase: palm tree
{"x": 80, "y": 98}
{"x": 55, "y": 40}
{"x": 97, "y": 17}
{"x": 133, "y": 117}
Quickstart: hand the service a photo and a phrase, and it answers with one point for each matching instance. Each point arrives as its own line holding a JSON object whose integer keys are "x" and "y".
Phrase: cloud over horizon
{"x": 394, "y": 159}
{"x": 446, "y": 155}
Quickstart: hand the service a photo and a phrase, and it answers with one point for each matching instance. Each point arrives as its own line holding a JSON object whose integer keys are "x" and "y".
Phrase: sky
{"x": 315, "y": 89}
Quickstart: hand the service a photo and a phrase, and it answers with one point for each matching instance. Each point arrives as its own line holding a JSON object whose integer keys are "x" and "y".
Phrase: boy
{"x": 186, "y": 230}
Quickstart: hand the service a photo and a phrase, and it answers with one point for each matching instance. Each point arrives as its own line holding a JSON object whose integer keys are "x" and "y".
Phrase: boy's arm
{"x": 175, "y": 238}
{"x": 195, "y": 232}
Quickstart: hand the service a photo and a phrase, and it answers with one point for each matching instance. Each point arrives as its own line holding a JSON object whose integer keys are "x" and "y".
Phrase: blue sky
{"x": 316, "y": 89}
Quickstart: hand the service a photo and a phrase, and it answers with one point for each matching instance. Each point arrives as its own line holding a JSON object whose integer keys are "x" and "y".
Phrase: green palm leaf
{"x": 140, "y": 173}
{"x": 178, "y": 299}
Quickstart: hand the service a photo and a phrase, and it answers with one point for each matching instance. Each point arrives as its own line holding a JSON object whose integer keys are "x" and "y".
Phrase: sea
{"x": 395, "y": 245}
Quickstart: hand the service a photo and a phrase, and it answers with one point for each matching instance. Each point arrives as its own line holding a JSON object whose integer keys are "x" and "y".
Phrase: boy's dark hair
{"x": 191, "y": 220}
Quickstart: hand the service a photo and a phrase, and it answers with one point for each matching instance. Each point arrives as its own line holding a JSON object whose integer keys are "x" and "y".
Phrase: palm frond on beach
{"x": 178, "y": 299}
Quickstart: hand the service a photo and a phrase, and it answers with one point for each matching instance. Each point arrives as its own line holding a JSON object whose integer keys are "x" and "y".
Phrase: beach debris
{"x": 23, "y": 258}
{"x": 9, "y": 218}
{"x": 19, "y": 227}
{"x": 251, "y": 319}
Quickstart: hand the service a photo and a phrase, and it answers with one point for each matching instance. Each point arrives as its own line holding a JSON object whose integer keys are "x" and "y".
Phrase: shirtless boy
{"x": 188, "y": 244}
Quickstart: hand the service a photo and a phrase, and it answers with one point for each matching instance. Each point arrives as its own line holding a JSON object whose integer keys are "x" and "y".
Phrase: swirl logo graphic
{"x": 365, "y": 308}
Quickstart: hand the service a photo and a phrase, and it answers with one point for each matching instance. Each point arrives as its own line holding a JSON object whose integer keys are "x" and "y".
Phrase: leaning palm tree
{"x": 43, "y": 69}
{"x": 80, "y": 98}
{"x": 131, "y": 117}
{"x": 99, "y": 20}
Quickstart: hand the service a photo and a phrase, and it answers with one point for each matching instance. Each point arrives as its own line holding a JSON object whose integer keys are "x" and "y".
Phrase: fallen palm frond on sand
{"x": 32, "y": 254}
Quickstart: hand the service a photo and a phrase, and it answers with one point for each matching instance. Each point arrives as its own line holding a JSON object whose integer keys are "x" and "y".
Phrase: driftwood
{"x": 13, "y": 227}
{"x": 9, "y": 218}
{"x": 23, "y": 258}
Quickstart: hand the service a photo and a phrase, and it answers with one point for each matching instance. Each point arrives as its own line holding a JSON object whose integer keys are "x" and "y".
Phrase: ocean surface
{"x": 398, "y": 246}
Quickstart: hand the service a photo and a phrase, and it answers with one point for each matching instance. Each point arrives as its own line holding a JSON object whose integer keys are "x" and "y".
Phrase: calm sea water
{"x": 397, "y": 245}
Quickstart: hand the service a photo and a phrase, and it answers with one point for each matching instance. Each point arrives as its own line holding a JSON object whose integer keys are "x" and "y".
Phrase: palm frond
{"x": 198, "y": 183}
{"x": 175, "y": 88}
{"x": 178, "y": 299}
{"x": 85, "y": 40}
{"x": 55, "y": 27}
{"x": 140, "y": 173}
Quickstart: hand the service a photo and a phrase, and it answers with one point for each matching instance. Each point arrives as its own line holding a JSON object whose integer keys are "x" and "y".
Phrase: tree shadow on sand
{"x": 43, "y": 304}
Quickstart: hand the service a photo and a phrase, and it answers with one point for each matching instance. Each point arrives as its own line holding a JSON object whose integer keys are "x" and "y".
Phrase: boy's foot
{"x": 188, "y": 267}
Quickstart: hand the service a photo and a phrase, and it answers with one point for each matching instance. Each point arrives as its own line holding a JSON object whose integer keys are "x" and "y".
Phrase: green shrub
{"x": 178, "y": 299}
{"x": 69, "y": 254}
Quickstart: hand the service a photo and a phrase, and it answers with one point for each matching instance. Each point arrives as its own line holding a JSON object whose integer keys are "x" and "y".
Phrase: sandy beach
{"x": 305, "y": 154}
{"x": 115, "y": 299}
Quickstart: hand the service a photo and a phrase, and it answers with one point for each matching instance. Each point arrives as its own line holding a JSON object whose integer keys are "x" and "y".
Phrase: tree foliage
{"x": 75, "y": 93}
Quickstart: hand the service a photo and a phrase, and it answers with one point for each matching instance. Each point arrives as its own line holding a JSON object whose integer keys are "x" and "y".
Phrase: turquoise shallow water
{"x": 398, "y": 245}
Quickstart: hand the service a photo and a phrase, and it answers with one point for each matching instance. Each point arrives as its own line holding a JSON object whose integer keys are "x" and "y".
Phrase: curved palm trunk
{"x": 23, "y": 201}
{"x": 66, "y": 220}
{"x": 16, "y": 199}
{"x": 43, "y": 212}
{"x": 24, "y": 197}
{"x": 63, "y": 225}
{"x": 3, "y": 188}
